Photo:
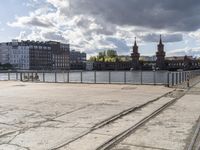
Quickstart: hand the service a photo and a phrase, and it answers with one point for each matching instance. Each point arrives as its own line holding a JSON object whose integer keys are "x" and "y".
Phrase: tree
{"x": 106, "y": 56}
{"x": 111, "y": 53}
{"x": 93, "y": 58}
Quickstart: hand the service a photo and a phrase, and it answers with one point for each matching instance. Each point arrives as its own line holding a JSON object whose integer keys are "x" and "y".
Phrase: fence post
{"x": 32, "y": 76}
{"x": 176, "y": 78}
{"x": 188, "y": 79}
{"x": 20, "y": 76}
{"x": 43, "y": 74}
{"x": 63, "y": 74}
{"x": 95, "y": 77}
{"x": 185, "y": 76}
{"x": 124, "y": 77}
{"x": 81, "y": 77}
{"x": 55, "y": 77}
{"x": 28, "y": 76}
{"x": 168, "y": 81}
{"x": 141, "y": 81}
{"x": 68, "y": 77}
{"x": 109, "y": 77}
{"x": 8, "y": 76}
{"x": 172, "y": 78}
{"x": 17, "y": 76}
{"x": 182, "y": 77}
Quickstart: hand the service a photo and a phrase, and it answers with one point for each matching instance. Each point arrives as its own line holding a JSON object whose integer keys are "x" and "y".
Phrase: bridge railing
{"x": 180, "y": 77}
{"x": 103, "y": 77}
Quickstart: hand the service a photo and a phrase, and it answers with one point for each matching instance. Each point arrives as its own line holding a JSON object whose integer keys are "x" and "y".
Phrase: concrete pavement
{"x": 171, "y": 130}
{"x": 41, "y": 116}
{"x": 46, "y": 116}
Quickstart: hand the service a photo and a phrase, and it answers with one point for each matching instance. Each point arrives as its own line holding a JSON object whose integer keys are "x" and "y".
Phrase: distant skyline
{"x": 95, "y": 25}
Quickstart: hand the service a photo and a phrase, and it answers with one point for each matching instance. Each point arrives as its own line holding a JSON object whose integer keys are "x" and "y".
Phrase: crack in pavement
{"x": 142, "y": 146}
{"x": 16, "y": 145}
{"x": 38, "y": 124}
{"x": 11, "y": 125}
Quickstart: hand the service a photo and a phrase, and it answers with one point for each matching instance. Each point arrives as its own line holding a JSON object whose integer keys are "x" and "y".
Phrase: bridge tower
{"x": 160, "y": 54}
{"x": 135, "y": 56}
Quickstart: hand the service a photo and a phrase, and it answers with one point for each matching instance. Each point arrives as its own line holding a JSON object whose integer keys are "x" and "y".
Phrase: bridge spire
{"x": 135, "y": 56}
{"x": 161, "y": 40}
{"x": 135, "y": 44}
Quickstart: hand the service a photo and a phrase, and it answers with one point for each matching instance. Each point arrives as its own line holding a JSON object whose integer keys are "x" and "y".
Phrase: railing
{"x": 179, "y": 77}
{"x": 103, "y": 77}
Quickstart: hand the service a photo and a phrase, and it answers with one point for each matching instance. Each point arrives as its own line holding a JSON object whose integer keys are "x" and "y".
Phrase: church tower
{"x": 160, "y": 54}
{"x": 135, "y": 56}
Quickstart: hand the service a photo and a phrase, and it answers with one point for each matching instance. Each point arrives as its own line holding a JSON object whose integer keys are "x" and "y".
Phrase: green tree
{"x": 111, "y": 53}
{"x": 106, "y": 56}
{"x": 93, "y": 58}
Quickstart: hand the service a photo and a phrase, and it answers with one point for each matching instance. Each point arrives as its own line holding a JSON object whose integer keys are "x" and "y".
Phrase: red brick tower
{"x": 135, "y": 56}
{"x": 160, "y": 54}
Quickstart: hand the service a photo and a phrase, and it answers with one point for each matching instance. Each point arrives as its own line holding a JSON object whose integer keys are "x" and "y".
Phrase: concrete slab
{"x": 99, "y": 136}
{"x": 38, "y": 116}
{"x": 171, "y": 130}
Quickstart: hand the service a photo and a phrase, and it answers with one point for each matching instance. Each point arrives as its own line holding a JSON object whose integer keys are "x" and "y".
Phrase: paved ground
{"x": 171, "y": 130}
{"x": 46, "y": 116}
{"x": 42, "y": 116}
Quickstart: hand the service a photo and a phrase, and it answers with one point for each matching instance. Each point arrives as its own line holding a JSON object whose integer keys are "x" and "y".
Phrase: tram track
{"x": 195, "y": 142}
{"x": 116, "y": 117}
{"x": 118, "y": 138}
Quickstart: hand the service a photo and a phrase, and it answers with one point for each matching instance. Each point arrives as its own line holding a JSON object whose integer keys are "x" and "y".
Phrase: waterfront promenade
{"x": 40, "y": 116}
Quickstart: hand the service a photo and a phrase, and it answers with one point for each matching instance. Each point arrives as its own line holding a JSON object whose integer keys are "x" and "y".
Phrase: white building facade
{"x": 19, "y": 56}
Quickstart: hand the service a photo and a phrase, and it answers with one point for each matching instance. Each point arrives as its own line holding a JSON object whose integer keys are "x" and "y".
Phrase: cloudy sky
{"x": 95, "y": 25}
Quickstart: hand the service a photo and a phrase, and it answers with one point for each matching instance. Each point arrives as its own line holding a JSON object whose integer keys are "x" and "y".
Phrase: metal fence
{"x": 103, "y": 77}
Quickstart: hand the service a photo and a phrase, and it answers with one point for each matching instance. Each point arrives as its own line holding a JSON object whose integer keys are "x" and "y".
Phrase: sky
{"x": 92, "y": 26}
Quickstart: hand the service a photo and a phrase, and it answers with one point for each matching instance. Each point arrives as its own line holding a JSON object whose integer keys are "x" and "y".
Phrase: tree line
{"x": 107, "y": 56}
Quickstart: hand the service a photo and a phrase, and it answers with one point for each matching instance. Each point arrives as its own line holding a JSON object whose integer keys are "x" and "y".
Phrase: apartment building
{"x": 35, "y": 55}
{"x": 60, "y": 55}
{"x": 19, "y": 55}
{"x": 77, "y": 60}
{"x": 4, "y": 53}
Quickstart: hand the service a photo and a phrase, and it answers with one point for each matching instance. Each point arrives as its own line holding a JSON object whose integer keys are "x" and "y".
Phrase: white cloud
{"x": 195, "y": 35}
{"x": 185, "y": 51}
{"x": 87, "y": 24}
